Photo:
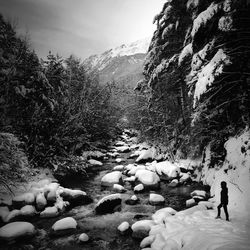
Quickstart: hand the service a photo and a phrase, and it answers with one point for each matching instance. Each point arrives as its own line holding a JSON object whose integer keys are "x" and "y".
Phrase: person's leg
{"x": 218, "y": 208}
{"x": 226, "y": 212}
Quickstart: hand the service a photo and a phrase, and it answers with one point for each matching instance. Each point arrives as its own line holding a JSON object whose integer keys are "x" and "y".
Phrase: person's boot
{"x": 217, "y": 217}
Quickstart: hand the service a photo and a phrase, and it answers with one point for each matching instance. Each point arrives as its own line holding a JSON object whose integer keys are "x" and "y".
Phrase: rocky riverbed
{"x": 125, "y": 185}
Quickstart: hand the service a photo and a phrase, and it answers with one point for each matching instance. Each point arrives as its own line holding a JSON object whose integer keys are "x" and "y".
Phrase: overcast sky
{"x": 81, "y": 27}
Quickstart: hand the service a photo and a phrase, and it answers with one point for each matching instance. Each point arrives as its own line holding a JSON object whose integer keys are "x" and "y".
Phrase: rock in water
{"x": 75, "y": 197}
{"x": 83, "y": 238}
{"x": 108, "y": 204}
{"x": 28, "y": 211}
{"x": 141, "y": 228}
{"x": 95, "y": 162}
{"x": 173, "y": 183}
{"x": 64, "y": 226}
{"x": 133, "y": 200}
{"x": 156, "y": 199}
{"x": 49, "y": 212}
{"x": 111, "y": 178}
{"x": 119, "y": 188}
{"x": 148, "y": 179}
{"x": 138, "y": 188}
{"x": 23, "y": 199}
{"x": 123, "y": 227}
{"x": 17, "y": 230}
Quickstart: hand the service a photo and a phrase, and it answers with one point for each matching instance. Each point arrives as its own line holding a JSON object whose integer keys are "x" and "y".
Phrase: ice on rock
{"x": 15, "y": 230}
{"x": 111, "y": 178}
{"x": 49, "y": 212}
{"x": 148, "y": 178}
{"x": 65, "y": 223}
{"x": 156, "y": 199}
{"x": 124, "y": 226}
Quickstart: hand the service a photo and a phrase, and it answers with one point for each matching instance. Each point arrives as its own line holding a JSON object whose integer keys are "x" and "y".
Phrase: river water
{"x": 102, "y": 229}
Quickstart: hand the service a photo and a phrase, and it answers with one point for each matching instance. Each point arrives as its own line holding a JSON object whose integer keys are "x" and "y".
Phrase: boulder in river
{"x": 28, "y": 211}
{"x": 149, "y": 179}
{"x": 123, "y": 228}
{"x": 119, "y": 188}
{"x": 95, "y": 162}
{"x": 17, "y": 230}
{"x": 23, "y": 199}
{"x": 108, "y": 204}
{"x": 139, "y": 188}
{"x": 64, "y": 226}
{"x": 49, "y": 212}
{"x": 75, "y": 197}
{"x": 156, "y": 199}
{"x": 147, "y": 154}
{"x": 83, "y": 238}
{"x": 141, "y": 228}
{"x": 111, "y": 178}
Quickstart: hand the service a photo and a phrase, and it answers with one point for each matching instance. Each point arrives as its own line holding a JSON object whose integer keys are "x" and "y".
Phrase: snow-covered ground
{"x": 196, "y": 228}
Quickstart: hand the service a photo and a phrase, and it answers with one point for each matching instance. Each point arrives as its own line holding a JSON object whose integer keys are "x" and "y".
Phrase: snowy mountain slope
{"x": 125, "y": 61}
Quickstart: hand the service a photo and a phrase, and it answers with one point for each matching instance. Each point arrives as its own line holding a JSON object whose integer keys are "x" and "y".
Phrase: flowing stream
{"x": 102, "y": 229}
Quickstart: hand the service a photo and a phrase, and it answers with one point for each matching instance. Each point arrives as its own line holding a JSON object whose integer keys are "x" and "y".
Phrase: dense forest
{"x": 51, "y": 110}
{"x": 196, "y": 86}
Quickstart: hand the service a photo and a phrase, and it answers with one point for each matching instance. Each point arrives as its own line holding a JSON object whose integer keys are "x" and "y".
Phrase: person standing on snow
{"x": 223, "y": 200}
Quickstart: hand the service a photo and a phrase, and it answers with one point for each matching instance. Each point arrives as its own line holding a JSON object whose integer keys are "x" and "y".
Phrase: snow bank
{"x": 160, "y": 215}
{"x": 235, "y": 171}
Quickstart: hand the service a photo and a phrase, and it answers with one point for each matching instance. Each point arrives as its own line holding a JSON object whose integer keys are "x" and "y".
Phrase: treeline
{"x": 196, "y": 90}
{"x": 51, "y": 105}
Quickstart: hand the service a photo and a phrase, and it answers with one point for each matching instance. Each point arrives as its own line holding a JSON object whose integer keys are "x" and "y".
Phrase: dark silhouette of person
{"x": 223, "y": 200}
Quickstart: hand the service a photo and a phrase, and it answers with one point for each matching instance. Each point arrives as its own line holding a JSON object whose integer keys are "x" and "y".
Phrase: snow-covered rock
{"x": 123, "y": 227}
{"x": 93, "y": 155}
{"x": 109, "y": 179}
{"x": 113, "y": 155}
{"x": 119, "y": 188}
{"x": 134, "y": 169}
{"x": 83, "y": 237}
{"x": 160, "y": 215}
{"x": 16, "y": 230}
{"x": 49, "y": 212}
{"x": 23, "y": 199}
{"x": 28, "y": 211}
{"x": 141, "y": 228}
{"x": 156, "y": 199}
{"x": 173, "y": 183}
{"x": 120, "y": 143}
{"x": 148, "y": 179}
{"x": 119, "y": 160}
{"x": 184, "y": 177}
{"x": 41, "y": 201}
{"x": 108, "y": 203}
{"x": 118, "y": 168}
{"x": 200, "y": 193}
{"x": 123, "y": 149}
{"x": 147, "y": 154}
{"x": 4, "y": 212}
{"x": 168, "y": 169}
{"x": 95, "y": 162}
{"x": 146, "y": 242}
{"x": 133, "y": 200}
{"x": 64, "y": 224}
{"x": 130, "y": 179}
{"x": 13, "y": 216}
{"x": 190, "y": 203}
{"x": 138, "y": 188}
{"x": 75, "y": 197}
